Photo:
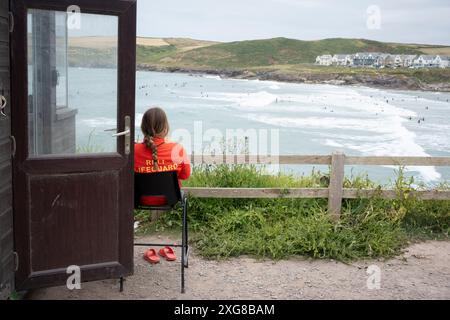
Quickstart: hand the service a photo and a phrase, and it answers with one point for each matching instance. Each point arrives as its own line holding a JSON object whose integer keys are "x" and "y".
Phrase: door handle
{"x": 123, "y": 133}
{"x": 127, "y": 134}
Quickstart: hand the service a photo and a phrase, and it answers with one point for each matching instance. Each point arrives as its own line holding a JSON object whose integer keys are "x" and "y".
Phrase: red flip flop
{"x": 167, "y": 252}
{"x": 150, "y": 256}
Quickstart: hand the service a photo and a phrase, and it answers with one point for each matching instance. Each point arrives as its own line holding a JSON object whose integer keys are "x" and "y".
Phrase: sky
{"x": 406, "y": 21}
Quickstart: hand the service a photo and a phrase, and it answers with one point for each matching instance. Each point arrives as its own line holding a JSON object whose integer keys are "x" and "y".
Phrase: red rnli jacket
{"x": 171, "y": 157}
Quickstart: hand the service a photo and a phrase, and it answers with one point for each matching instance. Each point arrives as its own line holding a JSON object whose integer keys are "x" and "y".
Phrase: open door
{"x": 73, "y": 88}
{"x": 6, "y": 213}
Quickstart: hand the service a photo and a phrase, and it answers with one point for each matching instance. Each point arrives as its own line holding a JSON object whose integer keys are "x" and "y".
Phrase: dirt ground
{"x": 422, "y": 271}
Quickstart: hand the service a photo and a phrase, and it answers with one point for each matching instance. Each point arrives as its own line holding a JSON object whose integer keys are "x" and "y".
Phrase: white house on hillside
{"x": 324, "y": 60}
{"x": 441, "y": 62}
{"x": 382, "y": 60}
{"x": 408, "y": 60}
{"x": 366, "y": 59}
{"x": 342, "y": 60}
{"x": 402, "y": 60}
{"x": 398, "y": 60}
{"x": 432, "y": 61}
{"x": 424, "y": 61}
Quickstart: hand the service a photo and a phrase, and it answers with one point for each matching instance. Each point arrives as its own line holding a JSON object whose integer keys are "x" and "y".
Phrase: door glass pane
{"x": 72, "y": 83}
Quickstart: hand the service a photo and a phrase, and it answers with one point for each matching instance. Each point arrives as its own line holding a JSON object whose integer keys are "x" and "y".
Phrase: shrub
{"x": 279, "y": 228}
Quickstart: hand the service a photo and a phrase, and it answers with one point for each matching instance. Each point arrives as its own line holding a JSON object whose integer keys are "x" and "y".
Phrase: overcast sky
{"x": 410, "y": 21}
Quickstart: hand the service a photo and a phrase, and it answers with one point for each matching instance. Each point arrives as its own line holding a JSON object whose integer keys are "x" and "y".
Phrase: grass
{"x": 153, "y": 54}
{"x": 266, "y": 52}
{"x": 92, "y": 57}
{"x": 90, "y": 147}
{"x": 282, "y": 57}
{"x": 280, "y": 228}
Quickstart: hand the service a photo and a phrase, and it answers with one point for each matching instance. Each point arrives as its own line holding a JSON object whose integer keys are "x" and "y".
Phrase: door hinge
{"x": 16, "y": 261}
{"x": 13, "y": 146}
{"x": 11, "y": 21}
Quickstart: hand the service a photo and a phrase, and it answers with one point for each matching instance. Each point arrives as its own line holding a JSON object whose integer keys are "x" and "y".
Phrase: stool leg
{"x": 182, "y": 263}
{"x": 186, "y": 234}
{"x": 183, "y": 246}
{"x": 121, "y": 284}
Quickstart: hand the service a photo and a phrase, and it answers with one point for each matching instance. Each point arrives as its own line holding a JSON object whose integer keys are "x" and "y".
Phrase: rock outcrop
{"x": 376, "y": 80}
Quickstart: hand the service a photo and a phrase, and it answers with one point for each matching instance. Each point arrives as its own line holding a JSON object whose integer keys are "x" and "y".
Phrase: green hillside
{"x": 253, "y": 53}
{"x": 190, "y": 53}
{"x": 278, "y": 59}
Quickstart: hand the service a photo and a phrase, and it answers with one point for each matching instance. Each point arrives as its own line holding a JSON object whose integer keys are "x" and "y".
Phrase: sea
{"x": 285, "y": 118}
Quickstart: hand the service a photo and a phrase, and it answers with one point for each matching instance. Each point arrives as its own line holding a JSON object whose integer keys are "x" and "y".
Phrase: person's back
{"x": 156, "y": 153}
{"x": 167, "y": 161}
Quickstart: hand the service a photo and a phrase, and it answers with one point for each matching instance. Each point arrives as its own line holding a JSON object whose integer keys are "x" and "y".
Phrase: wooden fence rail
{"x": 335, "y": 191}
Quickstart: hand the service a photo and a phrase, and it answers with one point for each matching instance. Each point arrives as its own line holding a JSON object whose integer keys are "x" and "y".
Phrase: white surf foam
{"x": 382, "y": 138}
{"x": 257, "y": 99}
{"x": 208, "y": 76}
{"x": 100, "y": 122}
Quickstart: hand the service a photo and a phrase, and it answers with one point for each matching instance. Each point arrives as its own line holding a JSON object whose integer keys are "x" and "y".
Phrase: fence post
{"x": 336, "y": 184}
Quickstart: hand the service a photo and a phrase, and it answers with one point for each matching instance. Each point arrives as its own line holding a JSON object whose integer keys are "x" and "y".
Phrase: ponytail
{"x": 148, "y": 140}
{"x": 154, "y": 124}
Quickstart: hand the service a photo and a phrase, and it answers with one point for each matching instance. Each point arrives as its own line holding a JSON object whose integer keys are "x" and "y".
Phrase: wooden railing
{"x": 335, "y": 191}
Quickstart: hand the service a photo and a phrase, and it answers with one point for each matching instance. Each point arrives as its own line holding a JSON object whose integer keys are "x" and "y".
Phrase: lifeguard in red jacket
{"x": 156, "y": 153}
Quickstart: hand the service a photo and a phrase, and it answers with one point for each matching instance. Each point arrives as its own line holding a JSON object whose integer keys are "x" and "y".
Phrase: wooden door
{"x": 73, "y": 83}
{"x": 6, "y": 212}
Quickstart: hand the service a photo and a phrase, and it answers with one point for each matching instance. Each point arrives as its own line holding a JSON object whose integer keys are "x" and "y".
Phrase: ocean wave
{"x": 256, "y": 99}
{"x": 100, "y": 122}
{"x": 349, "y": 101}
{"x": 346, "y": 102}
{"x": 259, "y": 99}
{"x": 214, "y": 77}
{"x": 329, "y": 123}
{"x": 389, "y": 138}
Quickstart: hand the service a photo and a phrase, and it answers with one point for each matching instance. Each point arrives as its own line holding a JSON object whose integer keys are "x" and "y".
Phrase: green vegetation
{"x": 16, "y": 295}
{"x": 92, "y": 57}
{"x": 279, "y": 228}
{"x": 283, "y": 59}
{"x": 239, "y": 54}
{"x": 153, "y": 54}
{"x": 279, "y": 51}
{"x": 268, "y": 52}
{"x": 278, "y": 59}
{"x": 90, "y": 147}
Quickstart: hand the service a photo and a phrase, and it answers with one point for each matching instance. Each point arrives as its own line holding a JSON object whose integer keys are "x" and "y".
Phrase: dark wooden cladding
{"x": 5, "y": 131}
{"x": 4, "y": 7}
{"x": 6, "y": 174}
{"x": 74, "y": 209}
{"x": 4, "y": 59}
{"x": 5, "y": 145}
{"x": 6, "y": 194}
{"x": 6, "y": 210}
